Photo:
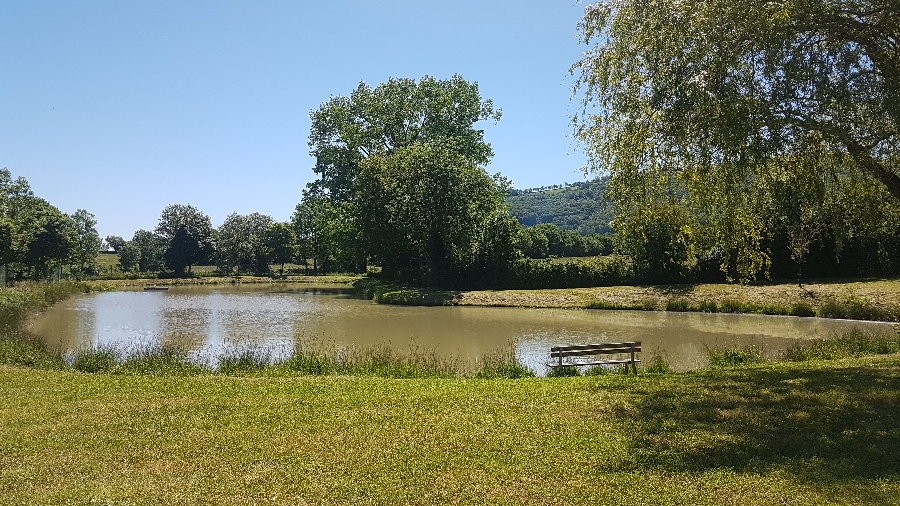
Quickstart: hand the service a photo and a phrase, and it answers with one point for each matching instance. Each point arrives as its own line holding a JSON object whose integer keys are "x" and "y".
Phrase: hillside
{"x": 578, "y": 206}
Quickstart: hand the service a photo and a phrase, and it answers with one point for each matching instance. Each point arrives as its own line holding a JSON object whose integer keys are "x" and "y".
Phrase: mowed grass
{"x": 775, "y": 433}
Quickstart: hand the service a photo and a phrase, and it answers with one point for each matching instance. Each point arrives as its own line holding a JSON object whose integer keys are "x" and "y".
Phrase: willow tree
{"x": 705, "y": 102}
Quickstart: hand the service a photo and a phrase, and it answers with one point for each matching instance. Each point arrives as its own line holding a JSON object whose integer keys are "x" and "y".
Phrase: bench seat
{"x": 591, "y": 351}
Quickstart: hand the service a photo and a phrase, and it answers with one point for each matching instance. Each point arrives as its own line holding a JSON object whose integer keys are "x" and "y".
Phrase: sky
{"x": 123, "y": 108}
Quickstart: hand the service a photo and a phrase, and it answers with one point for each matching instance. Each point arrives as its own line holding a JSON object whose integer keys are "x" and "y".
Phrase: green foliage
{"x": 563, "y": 372}
{"x": 855, "y": 308}
{"x": 802, "y": 309}
{"x": 855, "y": 343}
{"x": 309, "y": 364}
{"x": 152, "y": 247}
{"x": 188, "y": 234}
{"x": 328, "y": 234}
{"x": 502, "y": 365}
{"x": 18, "y": 301}
{"x": 19, "y": 349}
{"x": 240, "y": 244}
{"x": 659, "y": 239}
{"x": 159, "y": 361}
{"x": 390, "y": 159}
{"x": 95, "y": 360}
{"x": 761, "y": 117}
{"x": 129, "y": 256}
{"x": 732, "y": 357}
{"x": 394, "y": 115}
{"x": 541, "y": 241}
{"x": 115, "y": 242}
{"x": 281, "y": 244}
{"x": 657, "y": 365}
{"x": 430, "y": 216}
{"x": 35, "y": 236}
{"x": 87, "y": 244}
{"x": 581, "y": 207}
{"x": 240, "y": 362}
{"x": 600, "y": 271}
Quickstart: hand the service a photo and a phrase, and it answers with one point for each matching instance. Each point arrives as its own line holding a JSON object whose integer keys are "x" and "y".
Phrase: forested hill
{"x": 577, "y": 206}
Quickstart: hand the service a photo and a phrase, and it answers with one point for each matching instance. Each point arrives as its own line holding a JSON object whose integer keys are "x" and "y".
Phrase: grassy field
{"x": 777, "y": 433}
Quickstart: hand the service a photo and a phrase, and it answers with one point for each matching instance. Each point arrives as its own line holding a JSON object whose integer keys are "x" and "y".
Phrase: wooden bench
{"x": 557, "y": 353}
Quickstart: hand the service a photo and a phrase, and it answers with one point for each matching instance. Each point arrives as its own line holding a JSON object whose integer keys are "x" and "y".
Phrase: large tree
{"x": 704, "y": 102}
{"x": 393, "y": 115}
{"x": 151, "y": 247}
{"x": 240, "y": 243}
{"x": 87, "y": 243}
{"x": 431, "y": 215}
{"x": 189, "y": 235}
{"x": 281, "y": 244}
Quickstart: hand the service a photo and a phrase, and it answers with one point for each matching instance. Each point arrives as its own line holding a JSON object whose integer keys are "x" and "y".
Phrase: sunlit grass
{"x": 783, "y": 433}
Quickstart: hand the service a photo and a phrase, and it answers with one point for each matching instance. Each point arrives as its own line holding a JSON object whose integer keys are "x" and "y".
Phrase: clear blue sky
{"x": 122, "y": 108}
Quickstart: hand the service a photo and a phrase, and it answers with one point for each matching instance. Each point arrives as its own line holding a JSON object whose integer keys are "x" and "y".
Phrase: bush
{"x": 598, "y": 271}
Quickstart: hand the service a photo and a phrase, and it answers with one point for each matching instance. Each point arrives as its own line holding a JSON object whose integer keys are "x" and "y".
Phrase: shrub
{"x": 598, "y": 271}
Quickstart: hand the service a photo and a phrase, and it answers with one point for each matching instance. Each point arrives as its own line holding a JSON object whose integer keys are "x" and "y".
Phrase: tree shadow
{"x": 834, "y": 425}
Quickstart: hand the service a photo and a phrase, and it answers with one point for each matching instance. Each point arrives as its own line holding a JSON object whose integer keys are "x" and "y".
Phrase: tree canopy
{"x": 432, "y": 215}
{"x": 396, "y": 114}
{"x": 710, "y": 102}
{"x": 189, "y": 235}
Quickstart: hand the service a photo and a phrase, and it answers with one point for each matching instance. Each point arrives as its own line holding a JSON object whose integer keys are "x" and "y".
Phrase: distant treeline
{"x": 37, "y": 239}
{"x": 581, "y": 207}
{"x": 548, "y": 240}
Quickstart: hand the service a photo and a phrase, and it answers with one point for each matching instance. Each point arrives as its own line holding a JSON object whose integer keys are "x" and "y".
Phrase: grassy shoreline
{"x": 820, "y": 432}
{"x": 862, "y": 300}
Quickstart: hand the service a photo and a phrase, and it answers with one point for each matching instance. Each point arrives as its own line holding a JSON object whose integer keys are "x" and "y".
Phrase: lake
{"x": 208, "y": 320}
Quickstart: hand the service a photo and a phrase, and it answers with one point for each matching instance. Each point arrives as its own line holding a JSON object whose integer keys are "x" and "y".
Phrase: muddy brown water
{"x": 212, "y": 320}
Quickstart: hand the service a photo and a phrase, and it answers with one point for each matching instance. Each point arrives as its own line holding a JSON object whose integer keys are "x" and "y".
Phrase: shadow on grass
{"x": 832, "y": 425}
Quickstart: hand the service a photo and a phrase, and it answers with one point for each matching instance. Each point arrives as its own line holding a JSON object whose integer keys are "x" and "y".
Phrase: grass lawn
{"x": 775, "y": 433}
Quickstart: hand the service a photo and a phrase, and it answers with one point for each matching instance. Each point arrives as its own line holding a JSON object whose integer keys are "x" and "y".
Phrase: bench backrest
{"x": 580, "y": 350}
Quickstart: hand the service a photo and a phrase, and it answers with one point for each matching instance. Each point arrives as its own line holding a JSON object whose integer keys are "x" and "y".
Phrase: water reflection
{"x": 208, "y": 321}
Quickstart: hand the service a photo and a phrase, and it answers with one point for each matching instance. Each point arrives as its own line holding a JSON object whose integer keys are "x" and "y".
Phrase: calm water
{"x": 209, "y": 320}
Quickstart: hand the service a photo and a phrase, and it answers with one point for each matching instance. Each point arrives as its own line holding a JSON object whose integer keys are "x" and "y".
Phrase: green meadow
{"x": 811, "y": 432}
